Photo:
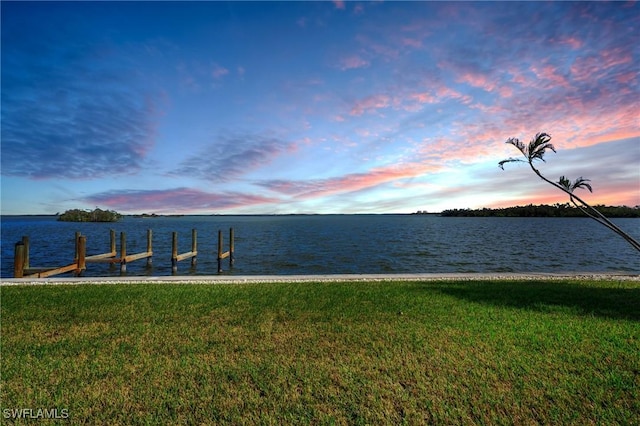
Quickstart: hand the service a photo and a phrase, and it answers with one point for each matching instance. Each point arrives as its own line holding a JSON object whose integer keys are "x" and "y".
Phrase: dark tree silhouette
{"x": 536, "y": 150}
{"x": 97, "y": 215}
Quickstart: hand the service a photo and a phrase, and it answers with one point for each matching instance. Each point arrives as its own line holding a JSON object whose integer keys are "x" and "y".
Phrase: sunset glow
{"x": 314, "y": 107}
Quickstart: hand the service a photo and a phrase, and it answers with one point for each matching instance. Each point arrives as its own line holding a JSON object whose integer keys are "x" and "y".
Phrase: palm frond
{"x": 518, "y": 144}
{"x": 509, "y": 160}
{"x": 565, "y": 183}
{"x": 538, "y": 147}
{"x": 582, "y": 183}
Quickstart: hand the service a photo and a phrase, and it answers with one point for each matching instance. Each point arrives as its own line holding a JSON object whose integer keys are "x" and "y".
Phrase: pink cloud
{"x": 352, "y": 62}
{"x": 411, "y": 42}
{"x": 477, "y": 80}
{"x": 377, "y": 49}
{"x": 339, "y": 4}
{"x": 505, "y": 91}
{"x": 370, "y": 103}
{"x": 587, "y": 122}
{"x": 175, "y": 200}
{"x": 551, "y": 73}
{"x": 627, "y": 78}
{"x": 411, "y": 102}
{"x": 414, "y": 101}
{"x": 592, "y": 68}
{"x": 447, "y": 92}
{"x": 519, "y": 77}
{"x": 572, "y": 42}
{"x": 423, "y": 97}
{"x": 614, "y": 57}
{"x": 348, "y": 183}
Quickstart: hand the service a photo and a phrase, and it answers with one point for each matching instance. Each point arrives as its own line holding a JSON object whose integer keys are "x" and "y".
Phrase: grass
{"x": 444, "y": 352}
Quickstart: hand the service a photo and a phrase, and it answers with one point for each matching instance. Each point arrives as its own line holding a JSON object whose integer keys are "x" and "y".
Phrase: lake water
{"x": 328, "y": 244}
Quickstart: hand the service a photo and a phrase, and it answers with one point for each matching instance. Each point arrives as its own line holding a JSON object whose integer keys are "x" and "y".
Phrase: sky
{"x": 314, "y": 107}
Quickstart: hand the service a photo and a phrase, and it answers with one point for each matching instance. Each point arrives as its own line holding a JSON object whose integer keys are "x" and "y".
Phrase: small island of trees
{"x": 97, "y": 215}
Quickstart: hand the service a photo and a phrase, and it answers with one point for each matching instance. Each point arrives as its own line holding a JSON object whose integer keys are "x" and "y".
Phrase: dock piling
{"x": 81, "y": 244}
{"x": 174, "y": 252}
{"x": 25, "y": 241}
{"x": 194, "y": 247}
{"x": 123, "y": 252}
{"x": 18, "y": 260}
{"x": 224, "y": 254}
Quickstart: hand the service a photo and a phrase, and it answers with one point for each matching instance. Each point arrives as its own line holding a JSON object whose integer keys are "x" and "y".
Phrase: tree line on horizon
{"x": 543, "y": 210}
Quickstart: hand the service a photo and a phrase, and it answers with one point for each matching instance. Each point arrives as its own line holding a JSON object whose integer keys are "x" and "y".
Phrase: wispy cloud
{"x": 371, "y": 104}
{"x": 175, "y": 200}
{"x": 72, "y": 111}
{"x": 352, "y": 62}
{"x": 230, "y": 157}
{"x": 351, "y": 182}
{"x": 218, "y": 71}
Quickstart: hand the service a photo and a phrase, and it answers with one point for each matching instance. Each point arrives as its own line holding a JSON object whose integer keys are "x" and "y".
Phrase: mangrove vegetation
{"x": 96, "y": 215}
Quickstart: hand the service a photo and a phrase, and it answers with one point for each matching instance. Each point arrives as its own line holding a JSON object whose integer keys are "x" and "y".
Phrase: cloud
{"x": 339, "y": 4}
{"x": 352, "y": 62}
{"x": 217, "y": 72}
{"x": 70, "y": 110}
{"x": 230, "y": 157}
{"x": 370, "y": 104}
{"x": 174, "y": 200}
{"x": 403, "y": 99}
{"x": 312, "y": 188}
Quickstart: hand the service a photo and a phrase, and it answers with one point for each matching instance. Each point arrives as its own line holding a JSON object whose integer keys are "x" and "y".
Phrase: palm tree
{"x": 536, "y": 150}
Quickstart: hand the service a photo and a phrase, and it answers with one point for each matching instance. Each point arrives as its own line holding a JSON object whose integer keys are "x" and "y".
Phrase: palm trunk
{"x": 590, "y": 211}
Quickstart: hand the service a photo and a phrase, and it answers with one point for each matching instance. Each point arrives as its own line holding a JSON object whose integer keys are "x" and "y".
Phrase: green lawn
{"x": 441, "y": 352}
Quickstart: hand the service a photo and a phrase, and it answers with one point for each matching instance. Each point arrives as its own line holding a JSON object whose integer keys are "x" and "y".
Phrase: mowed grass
{"x": 441, "y": 352}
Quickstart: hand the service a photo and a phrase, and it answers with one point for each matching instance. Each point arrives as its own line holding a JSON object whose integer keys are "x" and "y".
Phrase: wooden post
{"x": 232, "y": 260}
{"x": 174, "y": 252}
{"x": 194, "y": 245}
{"x": 219, "y": 251}
{"x": 123, "y": 252}
{"x": 25, "y": 241}
{"x": 149, "y": 246}
{"x": 75, "y": 255}
{"x": 18, "y": 260}
{"x": 82, "y": 254}
{"x": 112, "y": 241}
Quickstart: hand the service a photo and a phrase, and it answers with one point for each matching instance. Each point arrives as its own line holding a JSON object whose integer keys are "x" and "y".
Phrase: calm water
{"x": 340, "y": 244}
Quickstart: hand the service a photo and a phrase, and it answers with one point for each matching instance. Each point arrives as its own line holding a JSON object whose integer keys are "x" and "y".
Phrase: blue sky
{"x": 314, "y": 107}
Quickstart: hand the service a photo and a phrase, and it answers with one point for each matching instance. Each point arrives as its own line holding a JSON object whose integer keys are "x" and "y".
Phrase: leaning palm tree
{"x": 536, "y": 150}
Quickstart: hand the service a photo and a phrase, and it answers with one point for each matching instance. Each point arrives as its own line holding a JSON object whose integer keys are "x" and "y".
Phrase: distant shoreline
{"x": 531, "y": 210}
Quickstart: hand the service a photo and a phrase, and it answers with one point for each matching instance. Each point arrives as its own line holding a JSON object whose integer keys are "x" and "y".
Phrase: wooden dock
{"x": 23, "y": 269}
